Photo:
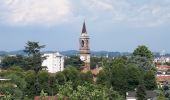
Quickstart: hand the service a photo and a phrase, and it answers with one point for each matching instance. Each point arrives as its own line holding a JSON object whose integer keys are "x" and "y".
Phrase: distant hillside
{"x": 19, "y": 52}
{"x": 75, "y": 53}
{"x": 70, "y": 53}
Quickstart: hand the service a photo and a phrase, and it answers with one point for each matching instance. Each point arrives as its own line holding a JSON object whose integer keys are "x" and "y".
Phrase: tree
{"x": 141, "y": 93}
{"x": 7, "y": 97}
{"x": 133, "y": 76}
{"x": 35, "y": 56}
{"x": 166, "y": 89}
{"x": 43, "y": 95}
{"x": 74, "y": 75}
{"x": 142, "y": 62}
{"x": 10, "y": 61}
{"x": 43, "y": 81}
{"x": 35, "y": 59}
{"x": 161, "y": 96}
{"x": 150, "y": 80}
{"x": 87, "y": 91}
{"x": 143, "y": 51}
{"x": 30, "y": 77}
{"x": 121, "y": 75}
{"x": 73, "y": 61}
{"x": 13, "y": 89}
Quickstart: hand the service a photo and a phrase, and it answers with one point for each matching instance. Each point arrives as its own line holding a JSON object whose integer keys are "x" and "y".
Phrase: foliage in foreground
{"x": 87, "y": 91}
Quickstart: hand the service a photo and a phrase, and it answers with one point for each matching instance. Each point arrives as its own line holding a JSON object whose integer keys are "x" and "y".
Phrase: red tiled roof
{"x": 163, "y": 78}
{"x": 163, "y": 67}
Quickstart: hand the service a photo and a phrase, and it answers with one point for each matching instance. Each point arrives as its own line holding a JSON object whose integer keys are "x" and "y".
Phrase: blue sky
{"x": 113, "y": 25}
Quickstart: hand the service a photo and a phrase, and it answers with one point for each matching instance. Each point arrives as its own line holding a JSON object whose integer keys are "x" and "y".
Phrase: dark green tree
{"x": 87, "y": 91}
{"x": 122, "y": 76}
{"x": 35, "y": 58}
{"x": 73, "y": 61}
{"x": 75, "y": 76}
{"x": 133, "y": 76}
{"x": 141, "y": 92}
{"x": 150, "y": 80}
{"x": 143, "y": 51}
{"x": 142, "y": 62}
{"x": 166, "y": 89}
{"x": 30, "y": 77}
{"x": 161, "y": 96}
{"x": 10, "y": 61}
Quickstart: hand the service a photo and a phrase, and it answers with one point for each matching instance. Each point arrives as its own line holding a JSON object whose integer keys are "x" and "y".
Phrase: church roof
{"x": 84, "y": 28}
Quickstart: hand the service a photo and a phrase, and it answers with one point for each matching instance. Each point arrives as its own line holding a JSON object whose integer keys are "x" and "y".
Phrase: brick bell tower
{"x": 85, "y": 48}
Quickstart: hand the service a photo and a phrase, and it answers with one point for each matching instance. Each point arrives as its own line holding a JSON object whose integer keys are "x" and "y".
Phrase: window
{"x": 82, "y": 43}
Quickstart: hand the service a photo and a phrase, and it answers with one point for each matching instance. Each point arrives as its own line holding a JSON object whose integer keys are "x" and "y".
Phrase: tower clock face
{"x": 82, "y": 58}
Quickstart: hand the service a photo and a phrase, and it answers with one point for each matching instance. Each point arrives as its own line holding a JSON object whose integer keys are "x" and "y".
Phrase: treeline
{"x": 118, "y": 75}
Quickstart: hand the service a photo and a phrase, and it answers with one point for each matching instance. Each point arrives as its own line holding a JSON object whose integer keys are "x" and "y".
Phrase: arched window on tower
{"x": 87, "y": 43}
{"x": 82, "y": 43}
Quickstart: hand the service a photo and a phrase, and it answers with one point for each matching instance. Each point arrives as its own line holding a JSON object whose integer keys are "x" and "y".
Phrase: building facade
{"x": 85, "y": 48}
{"x": 54, "y": 62}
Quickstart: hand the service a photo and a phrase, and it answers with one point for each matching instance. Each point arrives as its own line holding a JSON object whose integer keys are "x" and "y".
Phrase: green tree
{"x": 35, "y": 56}
{"x": 43, "y": 81}
{"x": 10, "y": 61}
{"x": 30, "y": 77}
{"x": 13, "y": 88}
{"x": 142, "y": 62}
{"x": 161, "y": 96}
{"x": 133, "y": 76}
{"x": 35, "y": 59}
{"x": 143, "y": 51}
{"x": 122, "y": 76}
{"x": 60, "y": 78}
{"x": 141, "y": 92}
{"x": 7, "y": 97}
{"x": 43, "y": 95}
{"x": 75, "y": 76}
{"x": 87, "y": 91}
{"x": 150, "y": 80}
{"x": 73, "y": 61}
{"x": 166, "y": 89}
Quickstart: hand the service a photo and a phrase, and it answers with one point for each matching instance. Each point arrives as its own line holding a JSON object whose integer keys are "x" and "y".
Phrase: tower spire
{"x": 84, "y": 28}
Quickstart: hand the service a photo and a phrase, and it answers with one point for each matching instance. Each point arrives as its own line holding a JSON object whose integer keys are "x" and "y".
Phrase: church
{"x": 85, "y": 48}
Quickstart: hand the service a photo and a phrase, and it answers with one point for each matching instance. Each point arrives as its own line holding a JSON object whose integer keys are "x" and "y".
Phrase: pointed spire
{"x": 84, "y": 28}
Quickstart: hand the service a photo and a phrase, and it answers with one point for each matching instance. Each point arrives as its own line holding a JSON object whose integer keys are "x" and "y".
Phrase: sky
{"x": 113, "y": 25}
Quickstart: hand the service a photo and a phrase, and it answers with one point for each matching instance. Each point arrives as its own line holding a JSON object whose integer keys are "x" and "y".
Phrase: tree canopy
{"x": 143, "y": 51}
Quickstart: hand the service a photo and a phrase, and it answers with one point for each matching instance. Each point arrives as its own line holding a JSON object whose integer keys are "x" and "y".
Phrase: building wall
{"x": 0, "y": 59}
{"x": 54, "y": 62}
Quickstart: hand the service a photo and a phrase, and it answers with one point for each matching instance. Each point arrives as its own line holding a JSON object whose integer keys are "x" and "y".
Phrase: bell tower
{"x": 85, "y": 48}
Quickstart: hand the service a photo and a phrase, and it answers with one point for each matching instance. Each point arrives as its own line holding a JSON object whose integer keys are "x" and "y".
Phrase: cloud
{"x": 35, "y": 11}
{"x": 148, "y": 13}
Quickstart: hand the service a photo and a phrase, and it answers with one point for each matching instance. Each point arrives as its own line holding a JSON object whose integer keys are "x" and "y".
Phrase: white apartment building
{"x": 54, "y": 62}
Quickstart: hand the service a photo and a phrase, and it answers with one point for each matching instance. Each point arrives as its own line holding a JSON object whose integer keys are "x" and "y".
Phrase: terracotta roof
{"x": 49, "y": 98}
{"x": 163, "y": 67}
{"x": 163, "y": 78}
